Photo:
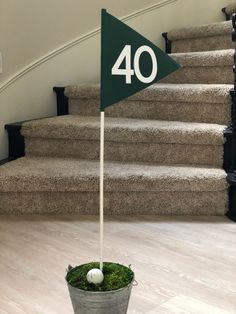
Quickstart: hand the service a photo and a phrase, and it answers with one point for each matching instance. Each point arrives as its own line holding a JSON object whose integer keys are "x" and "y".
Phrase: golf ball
{"x": 95, "y": 276}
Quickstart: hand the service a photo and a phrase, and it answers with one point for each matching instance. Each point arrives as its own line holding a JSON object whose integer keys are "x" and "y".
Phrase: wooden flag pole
{"x": 101, "y": 188}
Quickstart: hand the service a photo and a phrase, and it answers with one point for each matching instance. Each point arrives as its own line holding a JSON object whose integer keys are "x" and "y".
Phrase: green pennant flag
{"x": 129, "y": 61}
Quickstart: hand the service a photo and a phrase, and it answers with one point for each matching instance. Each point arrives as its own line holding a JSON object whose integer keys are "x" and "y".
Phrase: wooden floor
{"x": 182, "y": 265}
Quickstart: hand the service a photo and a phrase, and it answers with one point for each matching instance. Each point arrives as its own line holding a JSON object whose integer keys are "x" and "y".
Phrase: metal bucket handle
{"x": 69, "y": 268}
{"x": 135, "y": 283}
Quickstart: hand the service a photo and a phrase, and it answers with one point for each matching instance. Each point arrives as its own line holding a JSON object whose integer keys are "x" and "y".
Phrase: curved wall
{"x": 33, "y": 28}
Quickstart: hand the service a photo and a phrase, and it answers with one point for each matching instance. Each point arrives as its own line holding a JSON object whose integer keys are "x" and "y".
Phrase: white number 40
{"x": 127, "y": 71}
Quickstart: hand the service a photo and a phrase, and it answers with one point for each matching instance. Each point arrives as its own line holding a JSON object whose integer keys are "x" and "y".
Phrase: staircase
{"x": 164, "y": 147}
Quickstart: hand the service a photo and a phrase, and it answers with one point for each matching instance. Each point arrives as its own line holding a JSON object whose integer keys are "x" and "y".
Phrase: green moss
{"x": 116, "y": 276}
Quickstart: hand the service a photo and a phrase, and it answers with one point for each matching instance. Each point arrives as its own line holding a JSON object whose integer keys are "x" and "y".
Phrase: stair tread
{"x": 37, "y": 174}
{"x": 208, "y": 93}
{"x": 205, "y": 58}
{"x": 125, "y": 130}
{"x": 205, "y": 30}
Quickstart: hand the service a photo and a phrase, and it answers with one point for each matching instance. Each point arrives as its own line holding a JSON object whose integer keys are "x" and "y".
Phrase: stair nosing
{"x": 72, "y": 127}
{"x": 117, "y": 172}
{"x": 206, "y": 58}
{"x": 200, "y": 31}
{"x": 161, "y": 92}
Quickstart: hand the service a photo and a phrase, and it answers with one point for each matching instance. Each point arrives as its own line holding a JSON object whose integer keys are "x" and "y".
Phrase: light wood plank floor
{"x": 182, "y": 265}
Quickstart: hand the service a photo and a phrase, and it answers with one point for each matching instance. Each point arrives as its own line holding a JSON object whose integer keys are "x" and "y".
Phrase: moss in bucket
{"x": 116, "y": 276}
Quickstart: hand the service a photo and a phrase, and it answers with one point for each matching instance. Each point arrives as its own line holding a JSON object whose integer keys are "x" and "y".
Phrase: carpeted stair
{"x": 216, "y": 36}
{"x": 170, "y": 102}
{"x": 206, "y": 67}
{"x": 164, "y": 145}
{"x": 66, "y": 185}
{"x": 150, "y": 141}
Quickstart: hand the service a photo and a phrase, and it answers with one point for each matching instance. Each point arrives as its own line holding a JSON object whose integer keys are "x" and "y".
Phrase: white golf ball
{"x": 95, "y": 276}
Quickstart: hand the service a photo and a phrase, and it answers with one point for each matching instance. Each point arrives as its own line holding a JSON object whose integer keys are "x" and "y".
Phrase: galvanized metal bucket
{"x": 90, "y": 302}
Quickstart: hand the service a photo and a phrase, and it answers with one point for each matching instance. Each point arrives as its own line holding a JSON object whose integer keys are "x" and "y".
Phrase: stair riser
{"x": 158, "y": 203}
{"x": 168, "y": 111}
{"x": 202, "y": 44}
{"x": 202, "y": 75}
{"x": 132, "y": 152}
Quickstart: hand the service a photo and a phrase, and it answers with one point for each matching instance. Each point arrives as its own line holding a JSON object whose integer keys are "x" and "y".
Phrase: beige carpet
{"x": 208, "y": 103}
{"x": 139, "y": 140}
{"x": 163, "y": 150}
{"x": 209, "y": 67}
{"x": 214, "y": 36}
{"x": 59, "y": 185}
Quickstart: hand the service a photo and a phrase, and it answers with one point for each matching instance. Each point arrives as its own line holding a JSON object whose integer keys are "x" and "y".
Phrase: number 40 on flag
{"x": 128, "y": 72}
{"x": 129, "y": 61}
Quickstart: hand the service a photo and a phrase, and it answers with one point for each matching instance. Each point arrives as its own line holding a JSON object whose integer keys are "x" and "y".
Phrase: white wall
{"x": 31, "y": 32}
{"x": 33, "y": 28}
